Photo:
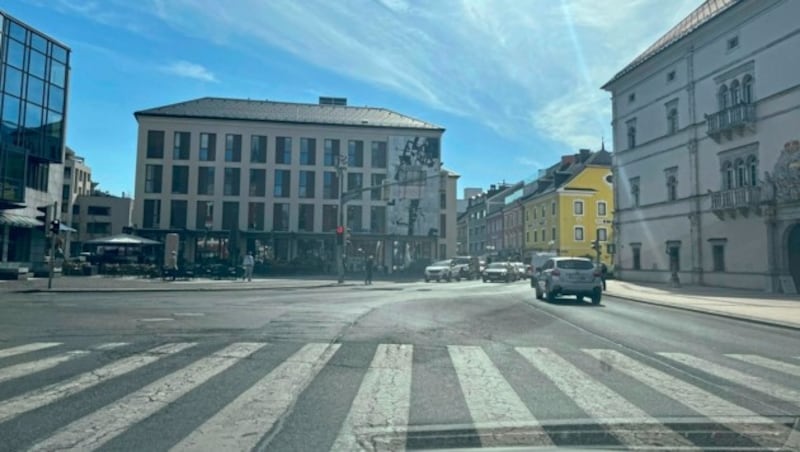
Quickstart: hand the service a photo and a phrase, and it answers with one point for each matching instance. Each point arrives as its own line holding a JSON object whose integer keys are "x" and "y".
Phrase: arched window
{"x": 723, "y": 97}
{"x": 747, "y": 89}
{"x": 735, "y": 93}
{"x": 752, "y": 170}
{"x": 741, "y": 173}
{"x": 727, "y": 176}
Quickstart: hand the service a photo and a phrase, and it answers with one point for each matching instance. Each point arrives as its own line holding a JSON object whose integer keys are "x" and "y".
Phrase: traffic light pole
{"x": 340, "y": 246}
{"x": 53, "y": 237}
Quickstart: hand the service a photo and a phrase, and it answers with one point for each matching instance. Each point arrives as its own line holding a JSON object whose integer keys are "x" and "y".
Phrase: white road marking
{"x": 93, "y": 430}
{"x": 44, "y": 396}
{"x": 158, "y": 319}
{"x": 20, "y": 370}
{"x": 382, "y": 402}
{"x": 773, "y": 364}
{"x": 638, "y": 429}
{"x": 27, "y": 348}
{"x": 189, "y": 314}
{"x": 767, "y": 432}
{"x": 110, "y": 345}
{"x": 243, "y": 422}
{"x": 500, "y": 416}
{"x": 749, "y": 381}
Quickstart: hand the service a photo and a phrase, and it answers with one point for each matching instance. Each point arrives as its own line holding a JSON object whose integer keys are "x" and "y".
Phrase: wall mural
{"x": 414, "y": 167}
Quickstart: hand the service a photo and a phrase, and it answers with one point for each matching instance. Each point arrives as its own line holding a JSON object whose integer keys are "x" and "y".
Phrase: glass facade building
{"x": 34, "y": 77}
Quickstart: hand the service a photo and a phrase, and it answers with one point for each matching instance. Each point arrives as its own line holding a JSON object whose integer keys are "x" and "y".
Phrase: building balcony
{"x": 738, "y": 118}
{"x": 738, "y": 201}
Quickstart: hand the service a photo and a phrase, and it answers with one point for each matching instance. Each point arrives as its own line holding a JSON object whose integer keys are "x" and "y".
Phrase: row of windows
{"x": 308, "y": 151}
{"x": 578, "y": 235}
{"x": 717, "y": 257}
{"x": 577, "y": 209}
{"x": 282, "y": 187}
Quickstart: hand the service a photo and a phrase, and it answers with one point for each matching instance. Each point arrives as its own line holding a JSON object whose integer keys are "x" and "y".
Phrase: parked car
{"x": 499, "y": 271}
{"x": 569, "y": 276}
{"x": 442, "y": 270}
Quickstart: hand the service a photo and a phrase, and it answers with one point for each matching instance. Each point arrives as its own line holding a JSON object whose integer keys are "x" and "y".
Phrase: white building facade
{"x": 706, "y": 164}
{"x": 232, "y": 175}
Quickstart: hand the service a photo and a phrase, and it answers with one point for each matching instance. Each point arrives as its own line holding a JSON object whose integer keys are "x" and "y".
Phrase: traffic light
{"x": 55, "y": 227}
{"x": 596, "y": 245}
{"x": 340, "y": 235}
{"x": 43, "y": 216}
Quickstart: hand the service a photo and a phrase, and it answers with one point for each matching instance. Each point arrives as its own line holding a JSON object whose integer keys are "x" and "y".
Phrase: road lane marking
{"x": 773, "y": 364}
{"x": 20, "y": 370}
{"x": 49, "y": 394}
{"x": 158, "y": 319}
{"x": 110, "y": 345}
{"x": 243, "y": 422}
{"x": 499, "y": 415}
{"x": 760, "y": 429}
{"x": 382, "y": 402}
{"x": 637, "y": 428}
{"x": 93, "y": 430}
{"x": 759, "y": 384}
{"x": 27, "y": 348}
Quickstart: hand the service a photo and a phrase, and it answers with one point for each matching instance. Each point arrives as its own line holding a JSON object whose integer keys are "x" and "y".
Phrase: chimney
{"x": 567, "y": 160}
{"x": 584, "y": 154}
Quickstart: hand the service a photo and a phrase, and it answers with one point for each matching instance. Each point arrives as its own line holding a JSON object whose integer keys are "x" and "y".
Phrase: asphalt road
{"x": 386, "y": 367}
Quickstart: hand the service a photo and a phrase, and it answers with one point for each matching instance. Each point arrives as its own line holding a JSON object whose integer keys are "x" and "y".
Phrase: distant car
{"x": 520, "y": 269}
{"x": 499, "y": 271}
{"x": 466, "y": 267}
{"x": 569, "y": 276}
{"x": 537, "y": 261}
{"x": 442, "y": 270}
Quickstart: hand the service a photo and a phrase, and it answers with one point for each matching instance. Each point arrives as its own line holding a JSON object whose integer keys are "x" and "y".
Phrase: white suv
{"x": 569, "y": 276}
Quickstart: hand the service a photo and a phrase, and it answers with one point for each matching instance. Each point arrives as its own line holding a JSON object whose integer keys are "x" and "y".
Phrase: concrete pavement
{"x": 773, "y": 309}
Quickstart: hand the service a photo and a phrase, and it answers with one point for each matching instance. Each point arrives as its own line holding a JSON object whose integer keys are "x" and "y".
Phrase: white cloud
{"x": 190, "y": 70}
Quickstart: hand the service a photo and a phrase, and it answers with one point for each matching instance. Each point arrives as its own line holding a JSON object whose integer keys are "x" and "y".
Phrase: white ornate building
{"x": 707, "y": 166}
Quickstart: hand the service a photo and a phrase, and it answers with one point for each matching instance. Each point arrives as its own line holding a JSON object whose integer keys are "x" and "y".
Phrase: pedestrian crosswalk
{"x": 498, "y": 410}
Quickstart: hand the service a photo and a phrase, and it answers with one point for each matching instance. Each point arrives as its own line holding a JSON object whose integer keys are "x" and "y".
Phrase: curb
{"x": 709, "y": 312}
{"x": 187, "y": 289}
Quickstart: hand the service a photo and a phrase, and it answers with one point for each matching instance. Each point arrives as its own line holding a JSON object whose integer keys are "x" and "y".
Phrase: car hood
{"x": 496, "y": 270}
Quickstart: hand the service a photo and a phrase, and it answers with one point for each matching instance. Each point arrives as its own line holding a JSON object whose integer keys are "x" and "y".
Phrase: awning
{"x": 18, "y": 220}
{"x": 64, "y": 228}
{"x": 121, "y": 240}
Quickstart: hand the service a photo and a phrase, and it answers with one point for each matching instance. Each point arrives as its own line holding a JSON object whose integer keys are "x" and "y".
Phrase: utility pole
{"x": 341, "y": 167}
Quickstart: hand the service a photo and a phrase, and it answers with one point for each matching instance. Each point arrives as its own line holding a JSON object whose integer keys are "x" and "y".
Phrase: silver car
{"x": 569, "y": 276}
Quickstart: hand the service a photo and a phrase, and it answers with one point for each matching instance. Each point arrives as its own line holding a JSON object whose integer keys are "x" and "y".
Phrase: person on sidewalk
{"x": 603, "y": 274}
{"x": 248, "y": 264}
{"x": 173, "y": 265}
{"x": 370, "y": 263}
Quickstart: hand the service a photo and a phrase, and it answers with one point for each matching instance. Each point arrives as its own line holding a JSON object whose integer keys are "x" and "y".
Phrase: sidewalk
{"x": 760, "y": 307}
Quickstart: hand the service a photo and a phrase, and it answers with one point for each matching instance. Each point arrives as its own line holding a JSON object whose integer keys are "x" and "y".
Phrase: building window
{"x": 233, "y": 148}
{"x": 553, "y": 234}
{"x": 544, "y": 236}
{"x": 718, "y": 254}
{"x": 76, "y": 209}
{"x": 631, "y": 97}
{"x": 752, "y": 167}
{"x": 553, "y": 208}
{"x": 741, "y": 173}
{"x": 578, "y": 233}
{"x": 443, "y": 200}
{"x": 258, "y": 149}
{"x": 722, "y": 96}
{"x": 601, "y": 208}
{"x": 330, "y": 217}
{"x": 177, "y": 214}
{"x": 204, "y": 218}
{"x": 232, "y": 182}
{"x": 283, "y": 150}
{"x": 747, "y": 89}
{"x": 355, "y": 153}
{"x": 230, "y": 216}
{"x": 733, "y": 43}
{"x": 330, "y": 185}
{"x": 672, "y": 188}
{"x": 355, "y": 181}
{"x": 255, "y": 216}
{"x": 258, "y": 182}
{"x": 534, "y": 212}
{"x": 735, "y": 93}
{"x": 180, "y": 180}
{"x": 98, "y": 228}
{"x": 155, "y": 144}
{"x": 670, "y": 76}
{"x": 305, "y": 218}
{"x": 331, "y": 152}
{"x": 377, "y": 219}
{"x": 378, "y": 154}
{"x": 377, "y": 180}
{"x": 208, "y": 147}
{"x": 308, "y": 151}
{"x": 544, "y": 213}
{"x": 307, "y": 186}
{"x": 151, "y": 217}
{"x": 535, "y": 235}
{"x": 282, "y": 184}
{"x": 98, "y": 210}
{"x": 152, "y": 178}
{"x": 727, "y": 176}
{"x": 602, "y": 234}
{"x": 180, "y": 148}
{"x": 205, "y": 180}
{"x": 672, "y": 120}
{"x": 637, "y": 257}
{"x": 577, "y": 207}
{"x": 631, "y": 127}
{"x": 443, "y": 225}
{"x": 527, "y": 236}
{"x": 354, "y": 218}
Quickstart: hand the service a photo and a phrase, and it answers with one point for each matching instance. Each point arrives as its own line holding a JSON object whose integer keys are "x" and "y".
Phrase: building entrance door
{"x": 793, "y": 246}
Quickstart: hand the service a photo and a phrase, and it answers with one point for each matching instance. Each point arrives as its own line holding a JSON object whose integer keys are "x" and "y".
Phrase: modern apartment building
{"x": 34, "y": 78}
{"x": 230, "y": 175}
{"x": 98, "y": 214}
{"x": 706, "y": 150}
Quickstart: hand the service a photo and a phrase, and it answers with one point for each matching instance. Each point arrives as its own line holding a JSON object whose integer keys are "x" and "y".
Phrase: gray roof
{"x": 704, "y": 13}
{"x": 288, "y": 112}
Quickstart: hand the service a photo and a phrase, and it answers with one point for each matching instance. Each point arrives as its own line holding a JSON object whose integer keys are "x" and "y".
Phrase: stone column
{"x": 6, "y": 233}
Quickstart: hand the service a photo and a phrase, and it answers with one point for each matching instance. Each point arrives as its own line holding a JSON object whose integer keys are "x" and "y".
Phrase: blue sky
{"x": 514, "y": 82}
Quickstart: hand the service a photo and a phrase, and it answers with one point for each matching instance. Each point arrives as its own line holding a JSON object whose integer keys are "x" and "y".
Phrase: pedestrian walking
{"x": 248, "y": 264}
{"x": 173, "y": 264}
{"x": 368, "y": 269}
{"x": 603, "y": 274}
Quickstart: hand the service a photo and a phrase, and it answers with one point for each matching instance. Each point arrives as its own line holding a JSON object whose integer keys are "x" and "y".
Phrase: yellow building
{"x": 570, "y": 206}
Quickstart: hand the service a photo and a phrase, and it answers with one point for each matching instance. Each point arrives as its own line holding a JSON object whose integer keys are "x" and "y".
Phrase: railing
{"x": 736, "y": 198}
{"x": 731, "y": 118}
